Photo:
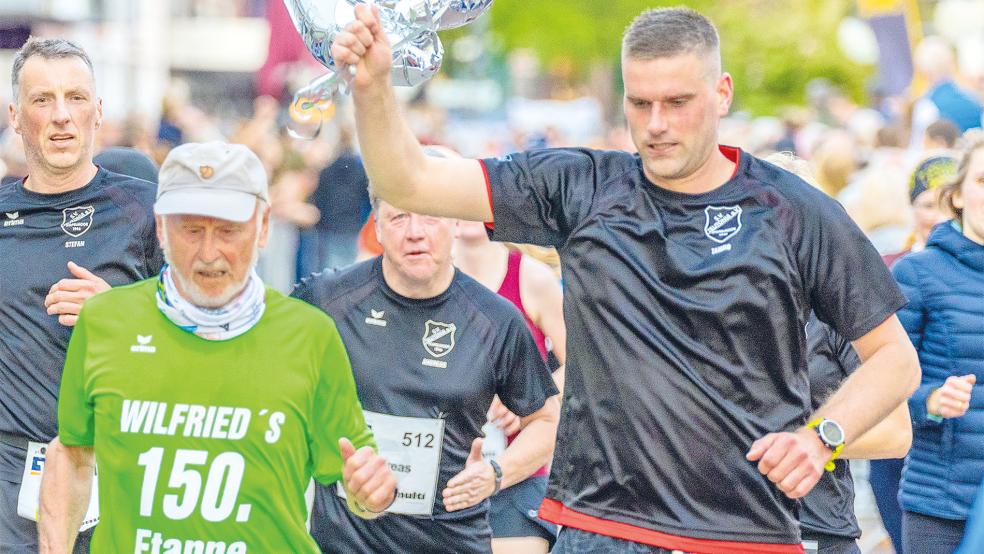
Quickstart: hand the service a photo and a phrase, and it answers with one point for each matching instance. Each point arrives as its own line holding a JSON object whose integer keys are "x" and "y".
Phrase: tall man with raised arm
{"x": 690, "y": 270}
{"x": 67, "y": 230}
{"x": 207, "y": 399}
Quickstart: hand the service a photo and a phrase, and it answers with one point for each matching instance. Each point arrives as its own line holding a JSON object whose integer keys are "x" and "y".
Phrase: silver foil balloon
{"x": 462, "y": 12}
{"x": 418, "y": 60}
{"x": 411, "y": 27}
{"x": 318, "y": 21}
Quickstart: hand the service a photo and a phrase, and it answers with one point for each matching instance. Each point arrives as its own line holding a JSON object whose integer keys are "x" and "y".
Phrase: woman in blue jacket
{"x": 945, "y": 321}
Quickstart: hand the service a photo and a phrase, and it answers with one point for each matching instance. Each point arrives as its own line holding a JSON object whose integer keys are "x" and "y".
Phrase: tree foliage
{"x": 771, "y": 47}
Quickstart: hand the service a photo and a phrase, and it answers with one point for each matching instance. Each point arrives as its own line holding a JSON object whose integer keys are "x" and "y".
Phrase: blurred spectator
{"x": 127, "y": 161}
{"x": 835, "y": 161}
{"x": 924, "y": 187}
{"x": 342, "y": 198}
{"x": 945, "y": 287}
{"x": 878, "y": 205}
{"x": 941, "y": 134}
{"x": 183, "y": 122}
{"x": 369, "y": 246}
{"x": 175, "y": 99}
{"x": 292, "y": 180}
{"x": 934, "y": 60}
{"x": 793, "y": 119}
{"x": 12, "y": 155}
{"x": 876, "y": 195}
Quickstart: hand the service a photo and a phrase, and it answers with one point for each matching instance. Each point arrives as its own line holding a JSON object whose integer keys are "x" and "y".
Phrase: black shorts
{"x": 514, "y": 511}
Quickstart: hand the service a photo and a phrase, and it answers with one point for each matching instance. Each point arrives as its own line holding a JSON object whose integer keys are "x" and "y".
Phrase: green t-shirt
{"x": 210, "y": 441}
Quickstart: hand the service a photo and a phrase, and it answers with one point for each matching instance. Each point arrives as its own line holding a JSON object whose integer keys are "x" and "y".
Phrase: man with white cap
{"x": 205, "y": 434}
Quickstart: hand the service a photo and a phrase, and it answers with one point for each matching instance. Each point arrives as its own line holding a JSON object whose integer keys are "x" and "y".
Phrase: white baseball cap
{"x": 213, "y": 179}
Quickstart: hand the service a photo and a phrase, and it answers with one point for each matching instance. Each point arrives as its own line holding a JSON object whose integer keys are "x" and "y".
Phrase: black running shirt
{"x": 829, "y": 507}
{"x": 685, "y": 317}
{"x": 107, "y": 226}
{"x": 443, "y": 357}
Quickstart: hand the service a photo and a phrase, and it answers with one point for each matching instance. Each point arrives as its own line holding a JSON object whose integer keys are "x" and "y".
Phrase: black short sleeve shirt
{"x": 107, "y": 227}
{"x": 685, "y": 318}
{"x": 443, "y": 357}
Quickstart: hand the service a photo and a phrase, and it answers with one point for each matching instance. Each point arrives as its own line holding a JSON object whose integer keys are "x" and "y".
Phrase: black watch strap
{"x": 498, "y": 476}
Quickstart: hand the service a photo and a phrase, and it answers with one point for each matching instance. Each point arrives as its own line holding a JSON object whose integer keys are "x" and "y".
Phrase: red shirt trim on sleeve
{"x": 490, "y": 225}
{"x": 555, "y": 512}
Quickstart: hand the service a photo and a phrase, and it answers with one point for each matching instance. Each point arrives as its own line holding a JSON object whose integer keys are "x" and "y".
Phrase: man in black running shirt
{"x": 690, "y": 270}
{"x": 67, "y": 231}
{"x": 430, "y": 347}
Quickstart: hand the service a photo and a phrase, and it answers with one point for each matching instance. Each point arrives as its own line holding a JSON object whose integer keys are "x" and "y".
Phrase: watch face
{"x": 831, "y": 433}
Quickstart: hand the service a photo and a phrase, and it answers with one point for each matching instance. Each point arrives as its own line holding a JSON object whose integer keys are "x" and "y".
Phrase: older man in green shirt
{"x": 207, "y": 400}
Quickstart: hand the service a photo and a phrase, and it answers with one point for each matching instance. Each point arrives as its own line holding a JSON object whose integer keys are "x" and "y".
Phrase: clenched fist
{"x": 367, "y": 478}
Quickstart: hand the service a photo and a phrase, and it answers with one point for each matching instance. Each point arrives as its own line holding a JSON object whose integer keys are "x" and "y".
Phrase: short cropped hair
{"x": 666, "y": 32}
{"x": 47, "y": 48}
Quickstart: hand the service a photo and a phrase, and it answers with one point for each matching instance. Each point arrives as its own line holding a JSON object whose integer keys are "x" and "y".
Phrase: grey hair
{"x": 666, "y": 32}
{"x": 47, "y": 48}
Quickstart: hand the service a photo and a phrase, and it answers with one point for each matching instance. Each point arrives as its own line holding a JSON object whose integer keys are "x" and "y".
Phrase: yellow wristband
{"x": 830, "y": 465}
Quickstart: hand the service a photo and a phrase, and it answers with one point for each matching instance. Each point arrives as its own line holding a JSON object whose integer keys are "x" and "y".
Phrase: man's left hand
{"x": 65, "y": 297}
{"x": 474, "y": 484}
{"x": 793, "y": 461}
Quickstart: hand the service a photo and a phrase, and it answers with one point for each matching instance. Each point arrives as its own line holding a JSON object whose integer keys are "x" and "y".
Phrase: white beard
{"x": 194, "y": 294}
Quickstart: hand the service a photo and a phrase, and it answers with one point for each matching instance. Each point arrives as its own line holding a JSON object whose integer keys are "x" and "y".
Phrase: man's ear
{"x": 13, "y": 117}
{"x": 726, "y": 94}
{"x": 264, "y": 225}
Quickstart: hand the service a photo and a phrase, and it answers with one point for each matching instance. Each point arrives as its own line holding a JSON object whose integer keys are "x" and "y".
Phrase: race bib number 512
{"x": 412, "y": 446}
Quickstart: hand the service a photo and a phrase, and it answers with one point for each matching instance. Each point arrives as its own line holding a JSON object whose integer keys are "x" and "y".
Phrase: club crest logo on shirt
{"x": 76, "y": 221}
{"x": 722, "y": 223}
{"x": 438, "y": 338}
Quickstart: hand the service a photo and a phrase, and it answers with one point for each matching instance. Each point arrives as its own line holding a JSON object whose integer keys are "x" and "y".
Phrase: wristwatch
{"x": 831, "y": 435}
{"x": 498, "y": 476}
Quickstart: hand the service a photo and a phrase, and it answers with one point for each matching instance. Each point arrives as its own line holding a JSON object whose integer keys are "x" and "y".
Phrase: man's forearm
{"x": 890, "y": 438}
{"x": 874, "y": 390}
{"x": 65, "y": 489}
{"x": 391, "y": 152}
{"x": 532, "y": 448}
